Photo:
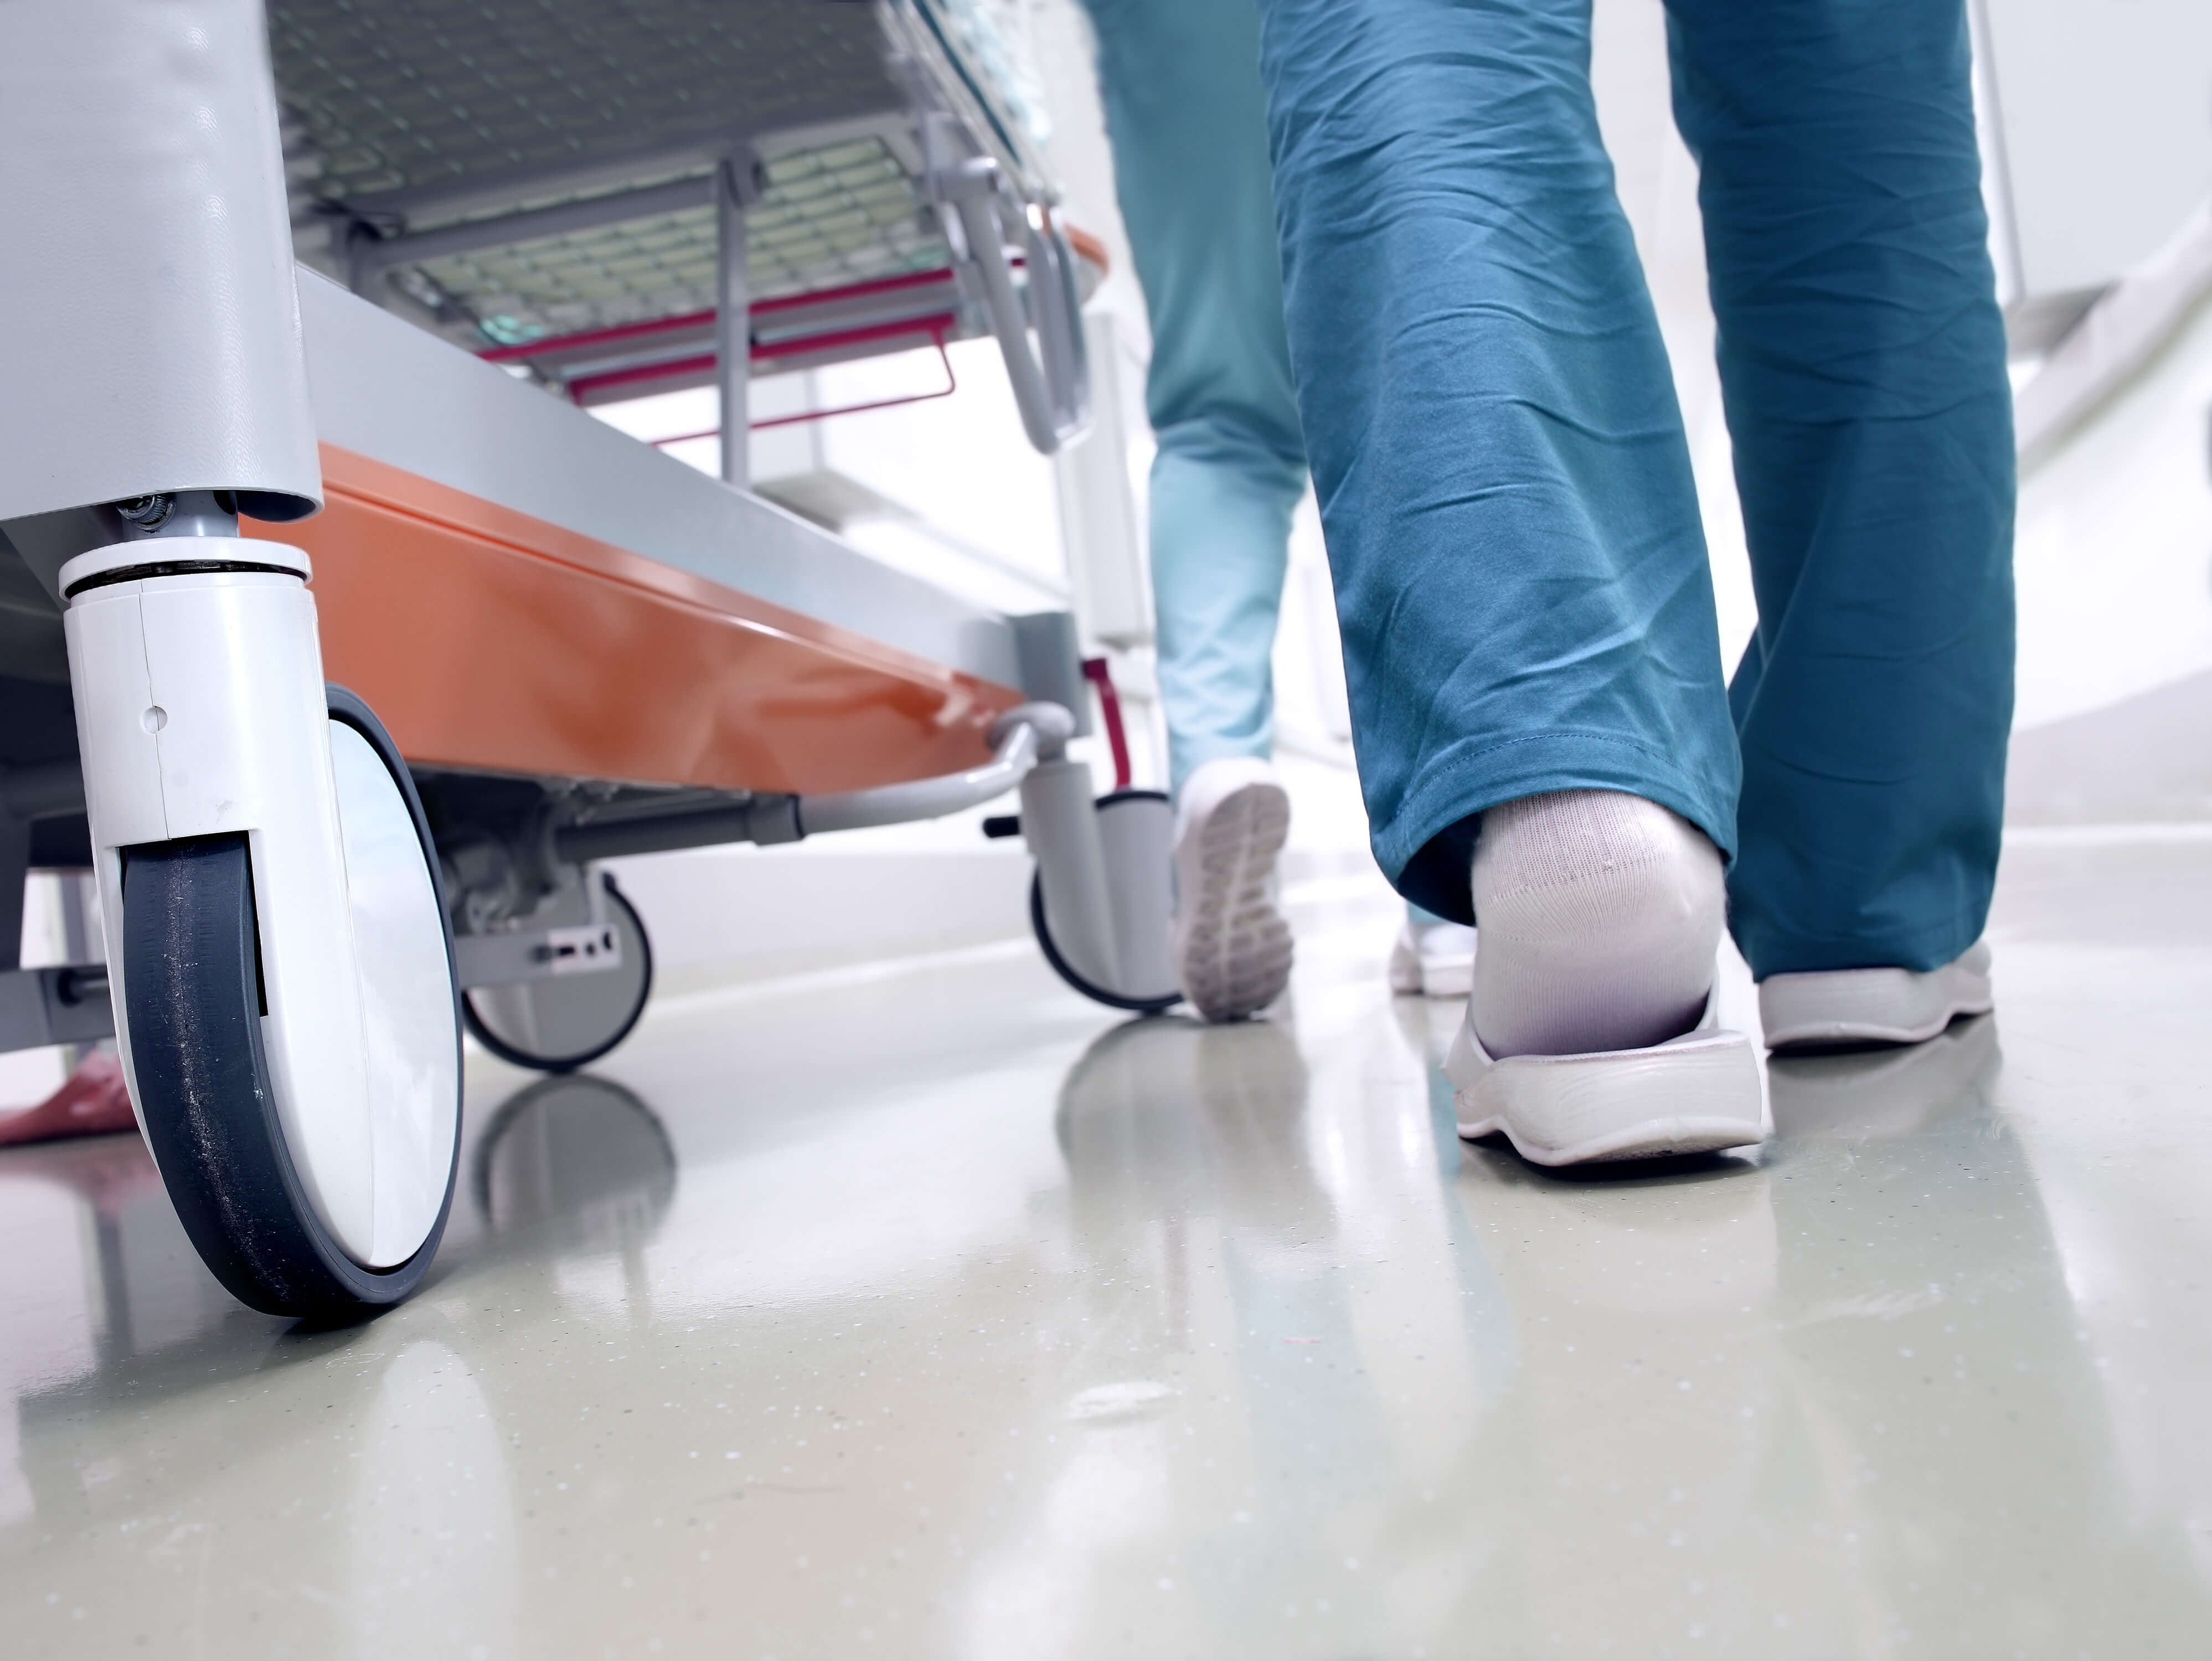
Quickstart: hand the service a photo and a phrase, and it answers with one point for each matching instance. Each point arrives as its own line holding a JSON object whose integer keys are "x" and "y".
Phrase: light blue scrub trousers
{"x": 1180, "y": 79}
{"x": 1521, "y": 574}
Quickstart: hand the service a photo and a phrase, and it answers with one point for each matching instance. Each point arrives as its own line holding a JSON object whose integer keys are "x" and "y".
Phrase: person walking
{"x": 1546, "y": 744}
{"x": 1186, "y": 119}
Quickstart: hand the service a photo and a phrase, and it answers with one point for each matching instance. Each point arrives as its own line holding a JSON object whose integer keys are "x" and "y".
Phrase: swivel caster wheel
{"x": 567, "y": 1021}
{"x": 238, "y": 1111}
{"x": 1135, "y": 830}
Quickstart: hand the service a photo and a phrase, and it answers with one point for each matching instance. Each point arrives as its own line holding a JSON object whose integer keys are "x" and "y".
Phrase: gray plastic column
{"x": 1137, "y": 843}
{"x": 1061, "y": 824}
{"x": 149, "y": 323}
{"x": 733, "y": 363}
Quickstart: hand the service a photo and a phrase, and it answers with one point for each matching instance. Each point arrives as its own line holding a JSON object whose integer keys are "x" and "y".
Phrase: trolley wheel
{"x": 568, "y": 1021}
{"x": 195, "y": 1005}
{"x": 1144, "y": 1002}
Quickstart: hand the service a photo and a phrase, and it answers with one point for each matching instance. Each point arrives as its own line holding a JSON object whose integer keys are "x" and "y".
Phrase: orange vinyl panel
{"x": 488, "y": 640}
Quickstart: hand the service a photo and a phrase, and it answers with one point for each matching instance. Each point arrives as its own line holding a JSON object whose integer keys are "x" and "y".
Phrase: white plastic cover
{"x": 149, "y": 323}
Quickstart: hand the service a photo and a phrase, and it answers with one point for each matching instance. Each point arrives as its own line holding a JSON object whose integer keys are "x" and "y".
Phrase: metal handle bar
{"x": 1053, "y": 396}
{"x": 1022, "y": 733}
{"x": 1022, "y": 737}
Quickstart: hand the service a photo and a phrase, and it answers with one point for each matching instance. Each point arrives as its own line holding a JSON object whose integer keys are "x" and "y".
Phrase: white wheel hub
{"x": 406, "y": 1001}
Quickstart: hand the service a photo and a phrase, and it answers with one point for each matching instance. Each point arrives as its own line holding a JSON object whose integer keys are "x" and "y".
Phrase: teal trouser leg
{"x": 1179, "y": 81}
{"x": 1521, "y": 576}
{"x": 1863, "y": 360}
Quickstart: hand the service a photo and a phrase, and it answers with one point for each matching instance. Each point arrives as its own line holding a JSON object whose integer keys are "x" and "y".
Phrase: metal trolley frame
{"x": 544, "y": 644}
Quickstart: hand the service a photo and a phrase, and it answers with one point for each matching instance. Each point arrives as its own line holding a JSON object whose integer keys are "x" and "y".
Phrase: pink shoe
{"x": 91, "y": 1102}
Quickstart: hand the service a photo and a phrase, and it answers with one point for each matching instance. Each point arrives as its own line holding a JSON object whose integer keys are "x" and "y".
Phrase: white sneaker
{"x": 1435, "y": 960}
{"x": 1231, "y": 946}
{"x": 1695, "y": 1094}
{"x": 1873, "y": 1006}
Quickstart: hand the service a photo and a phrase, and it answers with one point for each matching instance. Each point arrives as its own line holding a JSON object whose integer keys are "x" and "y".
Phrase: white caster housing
{"x": 1101, "y": 901}
{"x": 279, "y": 955}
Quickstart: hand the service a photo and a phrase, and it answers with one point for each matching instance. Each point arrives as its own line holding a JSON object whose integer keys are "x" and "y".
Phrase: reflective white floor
{"x": 934, "y": 1314}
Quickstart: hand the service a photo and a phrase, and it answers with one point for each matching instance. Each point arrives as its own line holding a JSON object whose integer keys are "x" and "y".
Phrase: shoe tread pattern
{"x": 1234, "y": 948}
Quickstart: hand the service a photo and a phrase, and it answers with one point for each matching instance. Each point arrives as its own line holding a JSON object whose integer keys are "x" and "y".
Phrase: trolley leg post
{"x": 732, "y": 320}
{"x": 1059, "y": 821}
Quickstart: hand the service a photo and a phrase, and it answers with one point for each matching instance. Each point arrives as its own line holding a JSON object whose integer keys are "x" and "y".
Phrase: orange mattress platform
{"x": 489, "y": 640}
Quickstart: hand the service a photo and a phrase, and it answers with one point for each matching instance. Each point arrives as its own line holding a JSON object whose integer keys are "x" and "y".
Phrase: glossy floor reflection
{"x": 931, "y": 1314}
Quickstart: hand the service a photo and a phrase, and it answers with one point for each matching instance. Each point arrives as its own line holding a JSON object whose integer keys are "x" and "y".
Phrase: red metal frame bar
{"x": 935, "y": 326}
{"x": 687, "y": 322}
{"x": 952, "y": 385}
{"x": 853, "y": 291}
{"x": 918, "y": 329}
{"x": 1100, "y": 674}
{"x": 615, "y": 336}
{"x": 667, "y": 370}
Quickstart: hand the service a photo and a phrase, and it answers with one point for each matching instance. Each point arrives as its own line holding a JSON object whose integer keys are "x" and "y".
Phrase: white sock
{"x": 1598, "y": 914}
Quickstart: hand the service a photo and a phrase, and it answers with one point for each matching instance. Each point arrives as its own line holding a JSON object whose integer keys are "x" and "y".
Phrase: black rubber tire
{"x": 1096, "y": 993}
{"x": 515, "y": 1055}
{"x": 191, "y": 985}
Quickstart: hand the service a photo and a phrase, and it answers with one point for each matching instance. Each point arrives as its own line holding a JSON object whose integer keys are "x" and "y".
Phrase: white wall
{"x": 2115, "y": 547}
{"x": 2115, "y": 574}
{"x": 2101, "y": 122}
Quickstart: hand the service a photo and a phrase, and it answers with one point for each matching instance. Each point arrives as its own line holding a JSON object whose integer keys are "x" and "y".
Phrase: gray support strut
{"x": 733, "y": 350}
{"x": 1059, "y": 822}
{"x": 1137, "y": 841}
{"x": 148, "y": 321}
{"x": 63, "y": 1003}
{"x": 29, "y": 794}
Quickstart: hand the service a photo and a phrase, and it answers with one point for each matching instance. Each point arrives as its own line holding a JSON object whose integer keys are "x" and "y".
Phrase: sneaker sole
{"x": 1693, "y": 1095}
{"x": 1232, "y": 946}
{"x": 1872, "y": 1005}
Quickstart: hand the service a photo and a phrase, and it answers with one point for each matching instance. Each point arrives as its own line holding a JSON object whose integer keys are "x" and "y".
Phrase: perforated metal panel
{"x": 414, "y": 105}
{"x": 418, "y": 118}
{"x": 829, "y": 216}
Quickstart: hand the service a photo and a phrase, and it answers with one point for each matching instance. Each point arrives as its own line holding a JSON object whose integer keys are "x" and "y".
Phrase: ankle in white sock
{"x": 1600, "y": 914}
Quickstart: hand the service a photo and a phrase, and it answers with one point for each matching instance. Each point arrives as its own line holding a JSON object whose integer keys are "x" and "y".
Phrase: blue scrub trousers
{"x": 1521, "y": 573}
{"x": 1180, "y": 79}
